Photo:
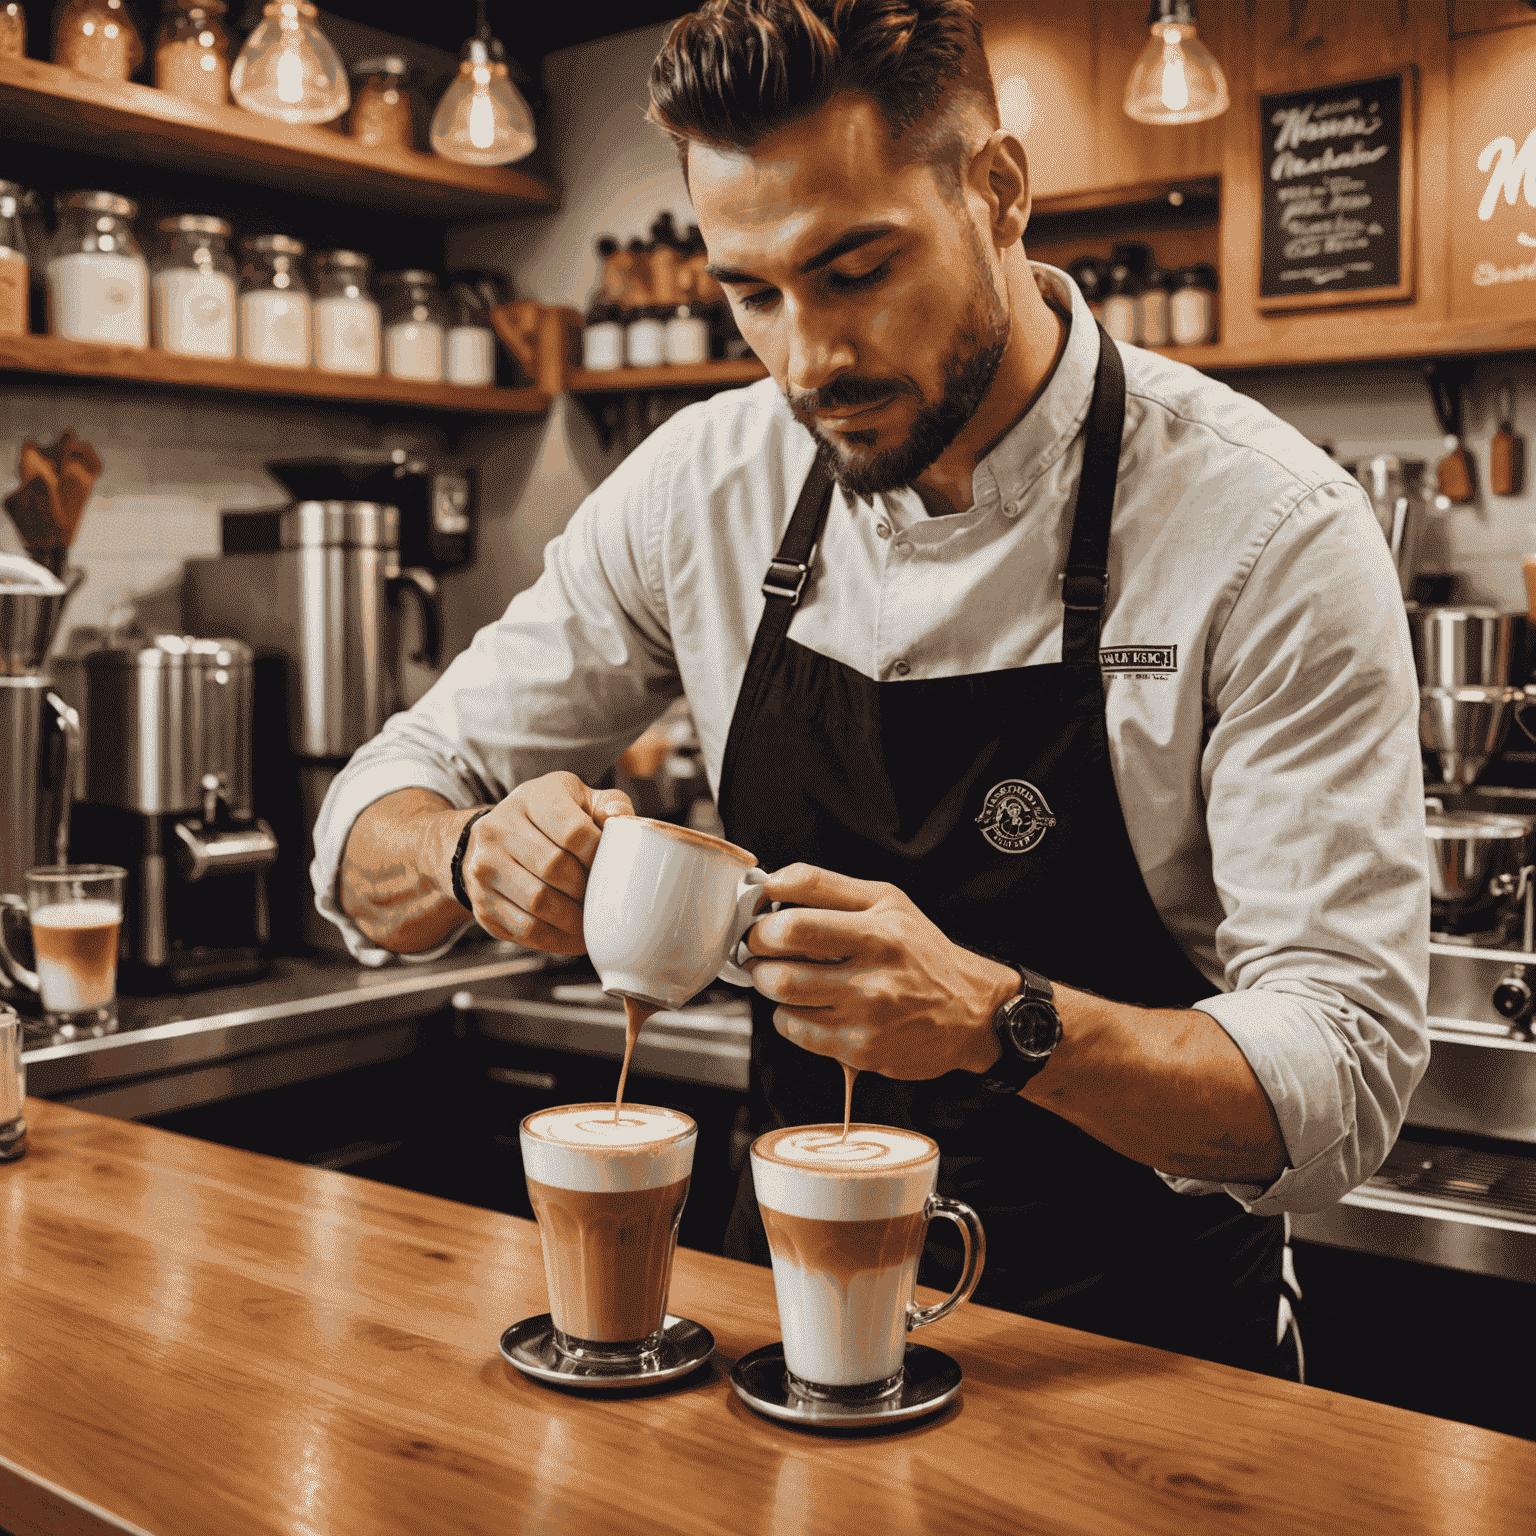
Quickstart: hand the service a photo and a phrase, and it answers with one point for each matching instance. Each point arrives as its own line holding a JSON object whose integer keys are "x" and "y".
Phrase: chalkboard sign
{"x": 1337, "y": 192}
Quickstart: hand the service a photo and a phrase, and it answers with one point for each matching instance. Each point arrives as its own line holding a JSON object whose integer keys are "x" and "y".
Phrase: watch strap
{"x": 456, "y": 866}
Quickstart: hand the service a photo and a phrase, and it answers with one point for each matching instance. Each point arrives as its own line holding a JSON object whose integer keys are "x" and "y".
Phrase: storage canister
{"x": 346, "y": 318}
{"x": 1192, "y": 309}
{"x": 1120, "y": 314}
{"x": 382, "y": 110}
{"x": 1152, "y": 307}
{"x": 192, "y": 52}
{"x": 274, "y": 303}
{"x": 470, "y": 353}
{"x": 98, "y": 280}
{"x": 15, "y": 273}
{"x": 687, "y": 336}
{"x": 193, "y": 288}
{"x": 416, "y": 319}
{"x": 602, "y": 339}
{"x": 645, "y": 337}
{"x": 97, "y": 38}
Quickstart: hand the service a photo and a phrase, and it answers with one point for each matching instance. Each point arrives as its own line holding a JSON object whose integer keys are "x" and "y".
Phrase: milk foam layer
{"x": 78, "y": 914}
{"x": 893, "y": 1176}
{"x": 578, "y": 1146}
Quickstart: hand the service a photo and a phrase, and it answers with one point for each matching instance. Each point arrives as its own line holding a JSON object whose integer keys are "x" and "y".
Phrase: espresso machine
{"x": 39, "y": 732}
{"x": 319, "y": 600}
{"x": 168, "y": 796}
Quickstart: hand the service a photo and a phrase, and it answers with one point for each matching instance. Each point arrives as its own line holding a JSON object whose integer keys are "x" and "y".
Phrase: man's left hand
{"x": 862, "y": 975}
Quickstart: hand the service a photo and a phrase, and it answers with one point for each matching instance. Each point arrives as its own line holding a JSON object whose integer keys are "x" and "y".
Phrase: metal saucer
{"x": 930, "y": 1380}
{"x": 530, "y": 1346}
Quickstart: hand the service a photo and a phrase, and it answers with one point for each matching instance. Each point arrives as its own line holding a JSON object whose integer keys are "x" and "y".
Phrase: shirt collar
{"x": 1044, "y": 432}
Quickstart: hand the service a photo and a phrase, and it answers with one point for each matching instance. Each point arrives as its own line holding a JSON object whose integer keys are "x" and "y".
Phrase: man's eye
{"x": 759, "y": 302}
{"x": 850, "y": 283}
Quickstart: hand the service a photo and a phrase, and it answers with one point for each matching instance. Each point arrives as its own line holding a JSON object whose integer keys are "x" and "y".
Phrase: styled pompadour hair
{"x": 733, "y": 71}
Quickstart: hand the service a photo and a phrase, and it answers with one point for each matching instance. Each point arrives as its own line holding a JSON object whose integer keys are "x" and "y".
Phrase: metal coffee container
{"x": 1464, "y": 647}
{"x": 164, "y": 714}
{"x": 1402, "y": 492}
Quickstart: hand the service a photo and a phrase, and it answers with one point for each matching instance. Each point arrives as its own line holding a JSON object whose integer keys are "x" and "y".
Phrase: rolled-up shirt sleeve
{"x": 574, "y": 670}
{"x": 1314, "y": 794}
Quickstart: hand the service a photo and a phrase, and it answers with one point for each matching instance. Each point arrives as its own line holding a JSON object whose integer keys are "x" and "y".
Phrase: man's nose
{"x": 817, "y": 353}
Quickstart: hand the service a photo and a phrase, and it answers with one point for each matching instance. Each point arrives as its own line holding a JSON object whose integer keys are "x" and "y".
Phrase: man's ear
{"x": 1000, "y": 175}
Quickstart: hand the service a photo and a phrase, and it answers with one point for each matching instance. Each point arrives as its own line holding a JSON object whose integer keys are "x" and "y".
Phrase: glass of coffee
{"x": 846, "y": 1218}
{"x": 608, "y": 1191}
{"x": 75, "y": 912}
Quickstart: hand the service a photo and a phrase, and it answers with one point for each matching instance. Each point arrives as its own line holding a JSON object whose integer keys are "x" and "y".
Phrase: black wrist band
{"x": 456, "y": 868}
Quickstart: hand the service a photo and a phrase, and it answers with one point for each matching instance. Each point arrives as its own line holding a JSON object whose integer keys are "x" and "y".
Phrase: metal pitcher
{"x": 1402, "y": 491}
{"x": 39, "y": 740}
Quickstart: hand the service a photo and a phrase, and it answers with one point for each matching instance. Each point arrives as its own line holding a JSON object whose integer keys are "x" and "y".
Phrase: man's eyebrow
{"x": 851, "y": 241}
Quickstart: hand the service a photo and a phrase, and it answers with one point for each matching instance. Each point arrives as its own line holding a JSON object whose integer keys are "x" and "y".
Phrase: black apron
{"x": 990, "y": 800}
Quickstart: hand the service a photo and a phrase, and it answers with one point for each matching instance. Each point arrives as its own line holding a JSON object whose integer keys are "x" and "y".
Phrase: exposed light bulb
{"x": 1175, "y": 78}
{"x": 482, "y": 118}
{"x": 288, "y": 68}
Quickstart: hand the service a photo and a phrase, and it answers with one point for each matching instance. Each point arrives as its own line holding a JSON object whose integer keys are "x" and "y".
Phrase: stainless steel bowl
{"x": 1463, "y": 647}
{"x": 1474, "y": 862}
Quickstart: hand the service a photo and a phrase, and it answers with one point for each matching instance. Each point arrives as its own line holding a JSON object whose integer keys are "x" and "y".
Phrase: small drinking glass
{"x": 76, "y": 913}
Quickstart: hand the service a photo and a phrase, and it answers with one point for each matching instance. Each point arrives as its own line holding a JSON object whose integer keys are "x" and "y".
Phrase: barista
{"x": 1067, "y": 693}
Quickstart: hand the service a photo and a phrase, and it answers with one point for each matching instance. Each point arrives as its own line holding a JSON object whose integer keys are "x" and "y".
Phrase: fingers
{"x": 808, "y": 886}
{"x": 819, "y": 935}
{"x": 800, "y": 984}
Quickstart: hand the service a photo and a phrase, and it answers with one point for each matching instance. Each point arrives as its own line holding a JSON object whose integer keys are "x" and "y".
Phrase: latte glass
{"x": 608, "y": 1193}
{"x": 76, "y": 914}
{"x": 846, "y": 1219}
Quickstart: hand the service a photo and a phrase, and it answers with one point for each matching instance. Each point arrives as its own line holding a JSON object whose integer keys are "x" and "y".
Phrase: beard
{"x": 970, "y": 365}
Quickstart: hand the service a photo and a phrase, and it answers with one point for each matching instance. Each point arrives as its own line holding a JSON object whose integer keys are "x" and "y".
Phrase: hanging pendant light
{"x": 1175, "y": 80}
{"x": 482, "y": 118}
{"x": 288, "y": 68}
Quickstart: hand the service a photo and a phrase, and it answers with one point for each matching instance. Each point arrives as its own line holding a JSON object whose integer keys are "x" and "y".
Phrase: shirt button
{"x": 883, "y": 530}
{"x": 902, "y": 547}
{"x": 1011, "y": 509}
{"x": 900, "y": 668}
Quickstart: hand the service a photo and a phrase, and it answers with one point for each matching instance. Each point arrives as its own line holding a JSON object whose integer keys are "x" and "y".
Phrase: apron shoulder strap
{"x": 1086, "y": 578}
{"x": 783, "y": 586}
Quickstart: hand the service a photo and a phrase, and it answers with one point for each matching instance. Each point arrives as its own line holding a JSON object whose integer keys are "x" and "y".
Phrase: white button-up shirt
{"x": 1260, "y": 694}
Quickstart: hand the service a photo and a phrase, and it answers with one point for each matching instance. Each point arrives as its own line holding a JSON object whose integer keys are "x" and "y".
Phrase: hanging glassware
{"x": 1176, "y": 79}
{"x": 482, "y": 118}
{"x": 288, "y": 68}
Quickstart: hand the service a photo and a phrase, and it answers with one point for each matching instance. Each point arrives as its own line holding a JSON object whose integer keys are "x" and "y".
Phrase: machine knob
{"x": 1513, "y": 997}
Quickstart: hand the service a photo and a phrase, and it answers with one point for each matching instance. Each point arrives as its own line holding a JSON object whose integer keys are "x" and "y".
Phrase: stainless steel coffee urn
{"x": 38, "y": 730}
{"x": 168, "y": 795}
{"x": 323, "y": 604}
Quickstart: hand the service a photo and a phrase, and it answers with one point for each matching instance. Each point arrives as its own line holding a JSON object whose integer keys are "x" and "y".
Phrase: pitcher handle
{"x": 975, "y": 1257}
{"x": 18, "y": 973}
{"x": 749, "y": 898}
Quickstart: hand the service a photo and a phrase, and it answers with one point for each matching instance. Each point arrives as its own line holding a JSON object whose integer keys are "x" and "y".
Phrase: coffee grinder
{"x": 168, "y": 796}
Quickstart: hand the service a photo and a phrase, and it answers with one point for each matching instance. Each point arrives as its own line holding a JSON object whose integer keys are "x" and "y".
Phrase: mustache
{"x": 845, "y": 393}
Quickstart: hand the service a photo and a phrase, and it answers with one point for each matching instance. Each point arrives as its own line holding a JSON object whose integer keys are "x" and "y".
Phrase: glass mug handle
{"x": 975, "y": 1257}
{"x": 749, "y": 897}
{"x": 12, "y": 967}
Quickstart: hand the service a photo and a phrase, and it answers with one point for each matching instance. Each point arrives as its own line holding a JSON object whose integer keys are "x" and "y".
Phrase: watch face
{"x": 1033, "y": 1026}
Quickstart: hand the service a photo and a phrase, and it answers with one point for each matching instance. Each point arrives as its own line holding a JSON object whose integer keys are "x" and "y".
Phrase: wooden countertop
{"x": 196, "y": 1340}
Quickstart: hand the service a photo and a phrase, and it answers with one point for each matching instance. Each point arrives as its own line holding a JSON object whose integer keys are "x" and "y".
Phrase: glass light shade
{"x": 288, "y": 68}
{"x": 1176, "y": 79}
{"x": 482, "y": 118}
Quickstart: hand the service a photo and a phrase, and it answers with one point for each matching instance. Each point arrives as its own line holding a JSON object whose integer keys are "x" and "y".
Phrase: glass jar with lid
{"x": 469, "y": 349}
{"x": 15, "y": 269}
{"x": 346, "y": 318}
{"x": 274, "y": 302}
{"x": 416, "y": 320}
{"x": 383, "y": 109}
{"x": 97, "y": 38}
{"x": 98, "y": 280}
{"x": 192, "y": 288}
{"x": 192, "y": 52}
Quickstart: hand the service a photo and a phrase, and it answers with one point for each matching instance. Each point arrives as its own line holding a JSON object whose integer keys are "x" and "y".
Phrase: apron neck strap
{"x": 1086, "y": 577}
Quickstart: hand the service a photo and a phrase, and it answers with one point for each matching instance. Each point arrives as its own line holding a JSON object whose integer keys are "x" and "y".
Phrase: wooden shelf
{"x": 49, "y": 105}
{"x": 86, "y": 360}
{"x": 716, "y": 375}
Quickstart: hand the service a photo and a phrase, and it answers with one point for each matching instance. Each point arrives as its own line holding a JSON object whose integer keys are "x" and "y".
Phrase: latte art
{"x": 863, "y": 1146}
{"x": 596, "y": 1125}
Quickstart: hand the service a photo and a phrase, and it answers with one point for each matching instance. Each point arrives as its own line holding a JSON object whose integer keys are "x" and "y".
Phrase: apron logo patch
{"x": 1015, "y": 816}
{"x": 1140, "y": 660}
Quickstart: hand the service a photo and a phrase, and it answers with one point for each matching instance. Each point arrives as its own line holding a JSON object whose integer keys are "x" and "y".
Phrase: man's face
{"x": 866, "y": 292}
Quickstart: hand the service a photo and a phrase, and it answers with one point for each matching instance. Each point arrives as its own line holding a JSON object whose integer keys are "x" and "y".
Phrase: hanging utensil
{"x": 1446, "y": 379}
{"x": 1506, "y": 454}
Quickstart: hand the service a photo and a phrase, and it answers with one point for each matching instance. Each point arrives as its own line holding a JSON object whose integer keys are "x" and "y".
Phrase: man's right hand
{"x": 525, "y": 868}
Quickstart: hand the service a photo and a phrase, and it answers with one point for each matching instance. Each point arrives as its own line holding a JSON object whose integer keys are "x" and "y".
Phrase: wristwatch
{"x": 1028, "y": 1028}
